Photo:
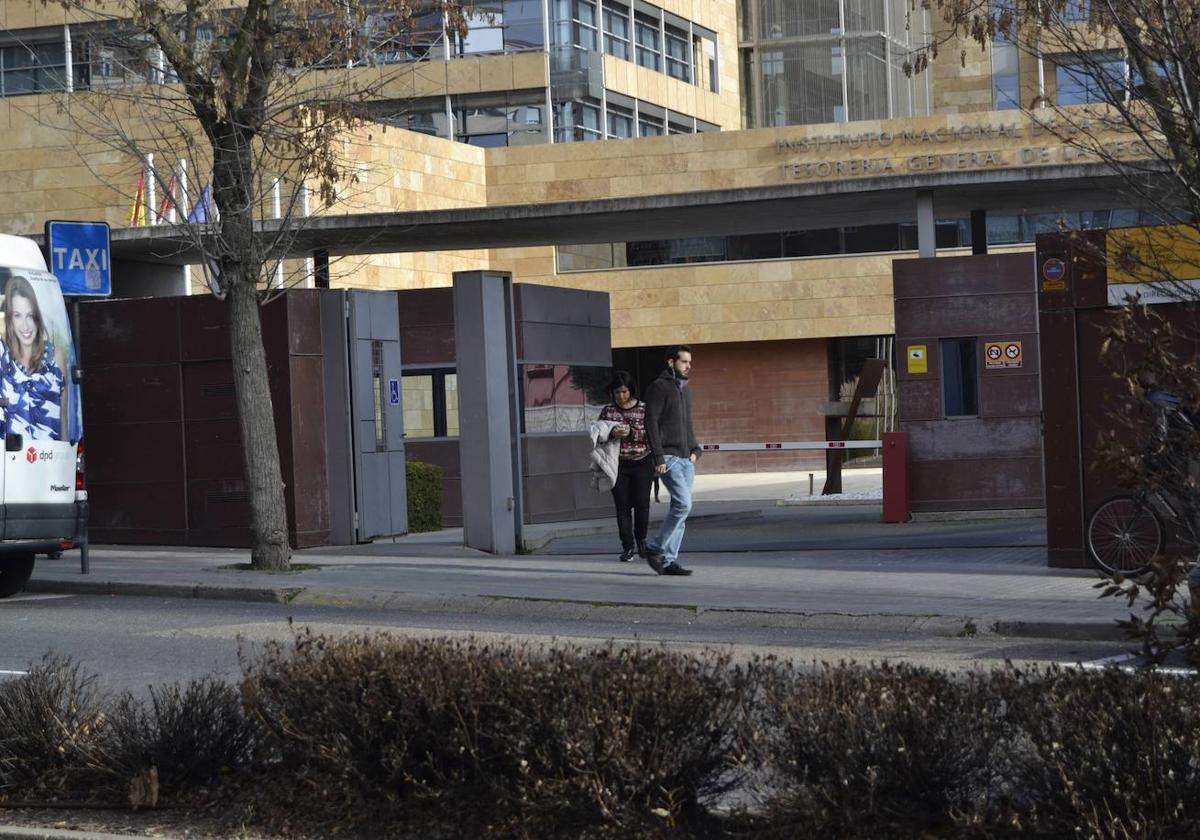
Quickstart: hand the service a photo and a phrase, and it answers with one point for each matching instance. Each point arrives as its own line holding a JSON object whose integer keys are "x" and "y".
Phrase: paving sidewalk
{"x": 1006, "y": 590}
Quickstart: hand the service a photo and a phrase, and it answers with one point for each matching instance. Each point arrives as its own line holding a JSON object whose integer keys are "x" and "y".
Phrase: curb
{"x": 1062, "y": 630}
{"x": 257, "y": 595}
{"x": 632, "y": 613}
{"x": 977, "y": 515}
{"x": 35, "y": 833}
{"x": 817, "y": 501}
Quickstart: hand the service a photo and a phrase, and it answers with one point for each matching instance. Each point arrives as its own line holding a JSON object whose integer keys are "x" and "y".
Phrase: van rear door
{"x": 42, "y": 421}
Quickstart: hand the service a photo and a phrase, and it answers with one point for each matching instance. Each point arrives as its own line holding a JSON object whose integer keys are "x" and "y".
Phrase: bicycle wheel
{"x": 1124, "y": 535}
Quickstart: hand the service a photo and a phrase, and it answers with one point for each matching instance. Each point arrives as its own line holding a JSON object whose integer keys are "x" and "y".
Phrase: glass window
{"x": 789, "y": 18}
{"x": 32, "y": 68}
{"x": 754, "y": 246}
{"x": 648, "y": 50}
{"x": 430, "y": 399}
{"x": 485, "y": 29}
{"x": 960, "y": 377}
{"x": 620, "y": 122}
{"x": 577, "y": 121}
{"x": 418, "y": 405}
{"x": 513, "y": 118}
{"x": 616, "y": 30}
{"x": 585, "y": 24}
{"x": 867, "y": 78}
{"x": 679, "y": 64}
{"x": 450, "y": 387}
{"x": 1006, "y": 94}
{"x": 812, "y": 243}
{"x": 649, "y": 126}
{"x": 523, "y": 25}
{"x": 708, "y": 49}
{"x": 867, "y": 239}
{"x": 1089, "y": 79}
{"x": 802, "y": 84}
{"x": 675, "y": 126}
{"x": 1076, "y": 11}
{"x": 864, "y": 16}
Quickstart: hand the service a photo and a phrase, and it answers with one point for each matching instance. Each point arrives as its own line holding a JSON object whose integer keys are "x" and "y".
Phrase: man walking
{"x": 674, "y": 449}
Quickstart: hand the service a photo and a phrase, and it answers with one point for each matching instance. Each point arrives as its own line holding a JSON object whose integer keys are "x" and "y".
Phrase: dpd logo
{"x": 31, "y": 454}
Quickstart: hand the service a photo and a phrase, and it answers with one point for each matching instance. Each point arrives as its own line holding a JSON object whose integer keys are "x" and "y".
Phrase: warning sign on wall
{"x": 1001, "y": 354}
{"x": 918, "y": 359}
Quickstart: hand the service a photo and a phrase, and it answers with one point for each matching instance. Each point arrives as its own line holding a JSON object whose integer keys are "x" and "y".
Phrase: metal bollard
{"x": 810, "y": 484}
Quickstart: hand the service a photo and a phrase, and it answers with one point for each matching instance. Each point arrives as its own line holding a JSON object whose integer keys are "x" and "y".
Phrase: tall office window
{"x": 584, "y": 28}
{"x": 1006, "y": 85}
{"x": 616, "y": 30}
{"x": 649, "y": 51}
{"x": 821, "y": 61}
{"x": 677, "y": 53}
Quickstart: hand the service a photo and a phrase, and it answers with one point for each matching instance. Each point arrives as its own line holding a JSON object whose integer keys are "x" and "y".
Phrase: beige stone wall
{"x": 961, "y": 80}
{"x": 755, "y": 158}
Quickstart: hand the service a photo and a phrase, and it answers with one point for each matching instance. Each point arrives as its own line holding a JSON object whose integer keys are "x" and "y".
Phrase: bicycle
{"x": 1126, "y": 533}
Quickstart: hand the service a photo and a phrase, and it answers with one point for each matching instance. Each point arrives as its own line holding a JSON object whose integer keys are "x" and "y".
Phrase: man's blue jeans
{"x": 679, "y": 477}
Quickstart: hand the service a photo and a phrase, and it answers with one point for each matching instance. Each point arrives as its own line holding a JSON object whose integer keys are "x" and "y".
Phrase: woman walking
{"x": 635, "y": 470}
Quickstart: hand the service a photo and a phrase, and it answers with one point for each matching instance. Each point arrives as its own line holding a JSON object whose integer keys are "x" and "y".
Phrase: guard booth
{"x": 164, "y": 450}
{"x": 968, "y": 391}
{"x": 1082, "y": 280}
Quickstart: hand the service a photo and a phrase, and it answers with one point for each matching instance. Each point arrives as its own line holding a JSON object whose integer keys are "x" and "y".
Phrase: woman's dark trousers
{"x": 631, "y": 494}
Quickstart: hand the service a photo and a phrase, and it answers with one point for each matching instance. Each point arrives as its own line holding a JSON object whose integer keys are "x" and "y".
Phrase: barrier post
{"x": 895, "y": 477}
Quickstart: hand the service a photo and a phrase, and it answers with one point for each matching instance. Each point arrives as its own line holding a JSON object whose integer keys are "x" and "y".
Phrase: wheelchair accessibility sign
{"x": 998, "y": 355}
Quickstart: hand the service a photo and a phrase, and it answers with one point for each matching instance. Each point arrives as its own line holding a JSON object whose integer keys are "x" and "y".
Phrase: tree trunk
{"x": 256, "y": 415}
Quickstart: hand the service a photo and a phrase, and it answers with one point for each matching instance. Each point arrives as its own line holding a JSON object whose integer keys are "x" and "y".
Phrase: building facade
{"x": 560, "y": 101}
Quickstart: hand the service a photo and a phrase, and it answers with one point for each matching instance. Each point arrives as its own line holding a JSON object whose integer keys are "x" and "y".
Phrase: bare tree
{"x": 1118, "y": 81}
{"x": 270, "y": 93}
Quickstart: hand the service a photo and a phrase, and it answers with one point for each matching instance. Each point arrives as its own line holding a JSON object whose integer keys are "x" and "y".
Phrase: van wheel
{"x": 14, "y": 573}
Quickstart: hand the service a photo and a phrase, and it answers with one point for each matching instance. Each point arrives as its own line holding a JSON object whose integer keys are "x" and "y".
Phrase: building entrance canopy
{"x": 796, "y": 206}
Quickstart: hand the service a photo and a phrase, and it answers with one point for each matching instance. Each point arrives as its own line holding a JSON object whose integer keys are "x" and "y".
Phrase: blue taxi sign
{"x": 80, "y": 257}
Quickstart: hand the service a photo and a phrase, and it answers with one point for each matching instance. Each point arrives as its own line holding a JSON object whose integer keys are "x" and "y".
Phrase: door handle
{"x": 13, "y": 442}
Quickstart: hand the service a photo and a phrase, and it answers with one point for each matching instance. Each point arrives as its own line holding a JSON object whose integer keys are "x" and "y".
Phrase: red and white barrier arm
{"x": 818, "y": 444}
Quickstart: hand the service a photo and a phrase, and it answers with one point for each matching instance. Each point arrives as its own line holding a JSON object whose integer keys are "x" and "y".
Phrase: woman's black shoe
{"x": 627, "y": 555}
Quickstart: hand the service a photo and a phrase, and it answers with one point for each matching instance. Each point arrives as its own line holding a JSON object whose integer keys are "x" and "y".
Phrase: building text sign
{"x": 869, "y": 154}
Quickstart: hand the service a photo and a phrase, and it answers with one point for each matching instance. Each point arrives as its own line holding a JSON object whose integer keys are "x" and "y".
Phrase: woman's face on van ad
{"x": 24, "y": 321}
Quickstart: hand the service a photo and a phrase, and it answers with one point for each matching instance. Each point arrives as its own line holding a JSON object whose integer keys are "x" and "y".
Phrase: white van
{"x": 43, "y": 502}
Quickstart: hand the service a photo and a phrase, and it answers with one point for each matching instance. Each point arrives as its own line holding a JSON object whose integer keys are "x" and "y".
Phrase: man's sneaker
{"x": 626, "y": 555}
{"x": 654, "y": 559}
{"x": 675, "y": 569}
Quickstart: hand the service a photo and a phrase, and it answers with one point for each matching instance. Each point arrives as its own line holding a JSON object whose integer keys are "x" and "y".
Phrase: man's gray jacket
{"x": 669, "y": 418}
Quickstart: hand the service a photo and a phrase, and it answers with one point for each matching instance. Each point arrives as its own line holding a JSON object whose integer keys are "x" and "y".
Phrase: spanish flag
{"x": 136, "y": 213}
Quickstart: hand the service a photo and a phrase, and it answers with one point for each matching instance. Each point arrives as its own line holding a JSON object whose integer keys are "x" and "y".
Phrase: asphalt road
{"x": 133, "y": 642}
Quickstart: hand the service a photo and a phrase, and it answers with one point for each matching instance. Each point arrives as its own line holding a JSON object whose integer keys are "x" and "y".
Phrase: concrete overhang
{"x": 798, "y": 206}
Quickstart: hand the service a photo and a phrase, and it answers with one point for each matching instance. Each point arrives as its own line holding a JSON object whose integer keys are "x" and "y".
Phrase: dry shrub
{"x": 510, "y": 740}
{"x": 52, "y": 723}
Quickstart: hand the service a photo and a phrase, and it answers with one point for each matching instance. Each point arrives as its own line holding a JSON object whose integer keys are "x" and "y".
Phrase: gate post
{"x": 895, "y": 477}
{"x": 489, "y": 431}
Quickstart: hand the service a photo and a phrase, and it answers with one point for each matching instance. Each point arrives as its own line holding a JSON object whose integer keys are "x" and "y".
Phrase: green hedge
{"x": 424, "y": 496}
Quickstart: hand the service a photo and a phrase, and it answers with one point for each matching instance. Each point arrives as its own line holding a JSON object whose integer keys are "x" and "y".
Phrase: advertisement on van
{"x": 36, "y": 359}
